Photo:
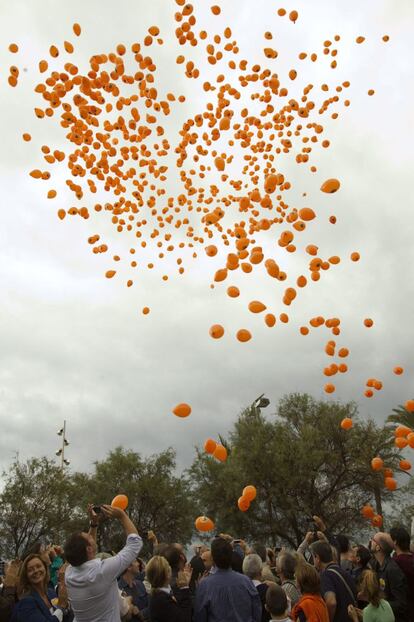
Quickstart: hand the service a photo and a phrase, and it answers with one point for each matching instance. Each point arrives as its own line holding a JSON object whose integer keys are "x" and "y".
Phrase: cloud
{"x": 75, "y": 346}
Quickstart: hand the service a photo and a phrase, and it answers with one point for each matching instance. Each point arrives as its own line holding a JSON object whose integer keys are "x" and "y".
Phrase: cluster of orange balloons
{"x": 114, "y": 117}
{"x": 217, "y": 450}
{"x": 249, "y": 494}
{"x": 368, "y": 512}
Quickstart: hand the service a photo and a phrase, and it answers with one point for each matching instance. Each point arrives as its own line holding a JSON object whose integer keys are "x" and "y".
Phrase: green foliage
{"x": 401, "y": 416}
{"x": 302, "y": 463}
{"x": 30, "y": 506}
{"x": 41, "y": 502}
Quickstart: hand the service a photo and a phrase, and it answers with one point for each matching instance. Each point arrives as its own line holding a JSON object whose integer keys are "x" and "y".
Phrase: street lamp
{"x": 61, "y": 452}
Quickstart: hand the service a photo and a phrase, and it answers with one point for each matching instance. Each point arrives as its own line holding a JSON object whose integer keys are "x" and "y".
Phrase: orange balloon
{"x": 270, "y": 320}
{"x": 182, "y": 410}
{"x": 243, "y": 335}
{"x": 346, "y": 423}
{"x": 203, "y": 523}
{"x": 255, "y": 306}
{"x": 243, "y": 504}
{"x": 405, "y": 465}
{"x": 330, "y": 185}
{"x": 220, "y": 452}
{"x": 329, "y": 388}
{"x": 368, "y": 322}
{"x": 390, "y": 483}
{"x": 209, "y": 446}
{"x": 216, "y": 331}
{"x": 377, "y": 463}
{"x": 211, "y": 250}
{"x": 355, "y": 256}
{"x": 249, "y": 492}
{"x": 307, "y": 214}
{"x": 367, "y": 511}
{"x": 402, "y": 430}
{"x": 400, "y": 442}
{"x": 120, "y": 501}
{"x": 398, "y": 371}
{"x": 376, "y": 520}
{"x": 233, "y": 291}
{"x": 409, "y": 405}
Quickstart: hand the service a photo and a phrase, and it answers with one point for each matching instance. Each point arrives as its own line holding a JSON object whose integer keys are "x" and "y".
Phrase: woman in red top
{"x": 311, "y": 607}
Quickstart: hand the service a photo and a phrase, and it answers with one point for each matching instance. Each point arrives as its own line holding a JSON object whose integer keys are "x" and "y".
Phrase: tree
{"x": 158, "y": 499}
{"x": 401, "y": 416}
{"x": 302, "y": 463}
{"x": 32, "y": 504}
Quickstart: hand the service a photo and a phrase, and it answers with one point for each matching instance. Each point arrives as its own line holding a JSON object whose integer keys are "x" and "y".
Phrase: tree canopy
{"x": 299, "y": 459}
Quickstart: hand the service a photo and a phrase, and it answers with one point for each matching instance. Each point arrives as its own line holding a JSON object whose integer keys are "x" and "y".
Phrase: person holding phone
{"x": 92, "y": 583}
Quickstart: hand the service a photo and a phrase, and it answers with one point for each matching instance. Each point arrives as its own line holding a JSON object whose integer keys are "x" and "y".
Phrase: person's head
{"x": 260, "y": 550}
{"x": 362, "y": 556}
{"x": 252, "y": 566}
{"x": 342, "y": 544}
{"x": 401, "y": 538}
{"x": 286, "y": 565}
{"x": 33, "y": 575}
{"x": 79, "y": 548}
{"x": 381, "y": 546}
{"x": 158, "y": 572}
{"x": 322, "y": 554}
{"x": 307, "y": 578}
{"x": 222, "y": 552}
{"x": 370, "y": 587}
{"x": 207, "y": 559}
{"x": 173, "y": 556}
{"x": 276, "y": 601}
{"x": 133, "y": 568}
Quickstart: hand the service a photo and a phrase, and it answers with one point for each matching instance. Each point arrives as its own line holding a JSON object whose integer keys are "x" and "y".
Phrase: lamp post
{"x": 61, "y": 452}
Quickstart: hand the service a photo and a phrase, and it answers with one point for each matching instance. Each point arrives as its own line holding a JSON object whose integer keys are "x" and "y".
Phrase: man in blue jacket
{"x": 226, "y": 596}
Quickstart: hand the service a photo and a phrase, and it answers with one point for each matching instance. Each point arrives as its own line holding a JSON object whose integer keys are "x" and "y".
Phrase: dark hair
{"x": 75, "y": 549}
{"x": 307, "y": 578}
{"x": 236, "y": 562}
{"x": 401, "y": 537}
{"x": 24, "y": 587}
{"x": 222, "y": 553}
{"x": 342, "y": 543}
{"x": 322, "y": 550}
{"x": 260, "y": 550}
{"x": 364, "y": 555}
{"x": 173, "y": 556}
{"x": 287, "y": 563}
{"x": 276, "y": 600}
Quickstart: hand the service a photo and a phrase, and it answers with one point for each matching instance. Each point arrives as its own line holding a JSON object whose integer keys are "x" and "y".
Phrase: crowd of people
{"x": 326, "y": 580}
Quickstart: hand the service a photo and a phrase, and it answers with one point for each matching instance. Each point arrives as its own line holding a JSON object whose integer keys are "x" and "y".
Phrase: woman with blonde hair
{"x": 378, "y": 609}
{"x": 163, "y": 607}
{"x": 311, "y": 607}
{"x": 37, "y": 602}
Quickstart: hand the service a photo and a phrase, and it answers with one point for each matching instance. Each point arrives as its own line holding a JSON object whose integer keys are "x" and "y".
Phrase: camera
{"x": 313, "y": 527}
{"x": 97, "y": 509}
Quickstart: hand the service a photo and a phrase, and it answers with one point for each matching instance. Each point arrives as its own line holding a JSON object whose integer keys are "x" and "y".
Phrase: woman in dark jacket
{"x": 37, "y": 603}
{"x": 163, "y": 606}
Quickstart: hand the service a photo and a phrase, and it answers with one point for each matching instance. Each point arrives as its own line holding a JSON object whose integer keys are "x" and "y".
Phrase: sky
{"x": 75, "y": 346}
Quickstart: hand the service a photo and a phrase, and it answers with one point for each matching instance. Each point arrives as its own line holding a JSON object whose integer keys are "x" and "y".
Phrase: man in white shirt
{"x": 92, "y": 583}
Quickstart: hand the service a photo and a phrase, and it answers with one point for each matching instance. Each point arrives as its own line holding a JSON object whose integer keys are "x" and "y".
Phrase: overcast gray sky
{"x": 75, "y": 346}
